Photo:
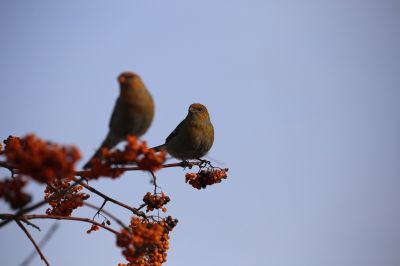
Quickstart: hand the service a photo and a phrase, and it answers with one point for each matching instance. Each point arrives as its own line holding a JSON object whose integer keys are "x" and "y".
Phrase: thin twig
{"x": 58, "y": 217}
{"x": 31, "y": 224}
{"x": 6, "y": 165}
{"x": 99, "y": 210}
{"x": 107, "y": 198}
{"x": 80, "y": 219}
{"x": 113, "y": 217}
{"x": 9, "y": 167}
{"x": 42, "y": 243}
{"x": 22, "y": 212}
{"x": 33, "y": 241}
{"x": 142, "y": 206}
{"x": 154, "y": 182}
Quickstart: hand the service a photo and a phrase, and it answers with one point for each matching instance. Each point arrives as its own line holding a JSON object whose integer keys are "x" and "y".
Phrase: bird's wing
{"x": 174, "y": 132}
{"x": 115, "y": 113}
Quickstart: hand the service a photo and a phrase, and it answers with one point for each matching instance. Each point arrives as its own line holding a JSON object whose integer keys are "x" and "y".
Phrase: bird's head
{"x": 130, "y": 81}
{"x": 199, "y": 111}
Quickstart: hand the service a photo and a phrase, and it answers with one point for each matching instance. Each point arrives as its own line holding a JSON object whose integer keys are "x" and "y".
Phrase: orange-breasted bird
{"x": 132, "y": 115}
{"x": 193, "y": 137}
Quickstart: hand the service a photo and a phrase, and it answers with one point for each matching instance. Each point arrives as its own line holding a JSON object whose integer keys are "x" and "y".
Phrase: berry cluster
{"x": 63, "y": 204}
{"x": 101, "y": 168}
{"x": 135, "y": 151}
{"x": 146, "y": 243}
{"x": 207, "y": 177}
{"x": 11, "y": 191}
{"x": 41, "y": 160}
{"x": 152, "y": 160}
{"x": 155, "y": 201}
{"x": 94, "y": 227}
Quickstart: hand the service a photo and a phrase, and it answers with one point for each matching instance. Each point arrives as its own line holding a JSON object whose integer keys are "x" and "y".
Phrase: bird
{"x": 193, "y": 137}
{"x": 132, "y": 115}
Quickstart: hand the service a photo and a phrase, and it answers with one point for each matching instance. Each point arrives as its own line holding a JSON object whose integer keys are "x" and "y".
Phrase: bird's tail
{"x": 109, "y": 142}
{"x": 159, "y": 147}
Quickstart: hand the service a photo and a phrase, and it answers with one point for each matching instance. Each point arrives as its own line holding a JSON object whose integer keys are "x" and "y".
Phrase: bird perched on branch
{"x": 132, "y": 115}
{"x": 193, "y": 137}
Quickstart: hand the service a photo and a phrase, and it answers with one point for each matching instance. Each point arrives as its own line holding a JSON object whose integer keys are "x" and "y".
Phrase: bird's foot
{"x": 185, "y": 164}
{"x": 204, "y": 163}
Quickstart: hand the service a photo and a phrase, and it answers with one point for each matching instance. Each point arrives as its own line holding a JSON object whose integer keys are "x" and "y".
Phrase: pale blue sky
{"x": 304, "y": 97}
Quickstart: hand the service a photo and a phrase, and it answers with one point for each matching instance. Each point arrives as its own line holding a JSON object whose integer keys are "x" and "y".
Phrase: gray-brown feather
{"x": 129, "y": 117}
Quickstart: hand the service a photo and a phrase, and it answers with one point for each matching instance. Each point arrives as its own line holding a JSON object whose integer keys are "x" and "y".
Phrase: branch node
{"x": 100, "y": 209}
{"x": 31, "y": 224}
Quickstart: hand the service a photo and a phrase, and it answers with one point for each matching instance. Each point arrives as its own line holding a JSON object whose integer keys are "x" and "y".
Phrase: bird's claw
{"x": 187, "y": 164}
{"x": 204, "y": 163}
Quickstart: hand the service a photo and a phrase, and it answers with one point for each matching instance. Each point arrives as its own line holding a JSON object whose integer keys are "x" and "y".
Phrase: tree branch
{"x": 6, "y": 165}
{"x": 33, "y": 241}
{"x": 41, "y": 244}
{"x": 183, "y": 164}
{"x": 31, "y": 224}
{"x": 23, "y": 211}
{"x": 57, "y": 217}
{"x": 107, "y": 198}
